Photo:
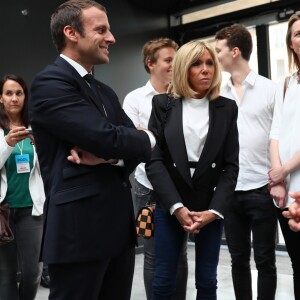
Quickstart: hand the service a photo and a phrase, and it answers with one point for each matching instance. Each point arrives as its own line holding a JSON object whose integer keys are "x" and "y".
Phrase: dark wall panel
{"x": 26, "y": 46}
{"x": 25, "y": 36}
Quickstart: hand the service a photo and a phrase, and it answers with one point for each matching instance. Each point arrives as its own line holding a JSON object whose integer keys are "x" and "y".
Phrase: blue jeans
{"x": 252, "y": 212}
{"x": 21, "y": 255}
{"x": 169, "y": 239}
{"x": 142, "y": 196}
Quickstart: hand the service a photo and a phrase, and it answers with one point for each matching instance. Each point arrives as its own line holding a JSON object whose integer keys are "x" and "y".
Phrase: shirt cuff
{"x": 151, "y": 137}
{"x": 120, "y": 163}
{"x": 217, "y": 213}
{"x": 174, "y": 207}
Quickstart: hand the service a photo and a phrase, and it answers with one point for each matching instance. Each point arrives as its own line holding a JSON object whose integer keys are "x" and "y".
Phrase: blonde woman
{"x": 193, "y": 168}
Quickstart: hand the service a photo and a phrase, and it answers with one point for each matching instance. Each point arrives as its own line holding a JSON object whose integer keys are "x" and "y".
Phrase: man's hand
{"x": 279, "y": 194}
{"x": 79, "y": 156}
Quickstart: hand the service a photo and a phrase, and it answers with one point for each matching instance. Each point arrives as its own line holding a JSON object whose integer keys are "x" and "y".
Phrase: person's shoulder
{"x": 135, "y": 94}
{"x": 53, "y": 71}
{"x": 228, "y": 103}
{"x": 224, "y": 101}
{"x": 162, "y": 99}
{"x": 266, "y": 82}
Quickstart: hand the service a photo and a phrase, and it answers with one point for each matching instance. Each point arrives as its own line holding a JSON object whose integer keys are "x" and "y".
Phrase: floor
{"x": 225, "y": 290}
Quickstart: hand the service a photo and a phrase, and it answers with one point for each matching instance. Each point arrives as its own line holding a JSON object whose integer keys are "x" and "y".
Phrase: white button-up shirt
{"x": 285, "y": 129}
{"x": 138, "y": 105}
{"x": 254, "y": 123}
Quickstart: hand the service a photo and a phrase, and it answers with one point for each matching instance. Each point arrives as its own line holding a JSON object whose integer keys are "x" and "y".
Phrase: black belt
{"x": 193, "y": 164}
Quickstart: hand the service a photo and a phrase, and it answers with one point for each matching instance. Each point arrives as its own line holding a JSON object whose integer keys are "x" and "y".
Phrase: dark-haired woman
{"x": 22, "y": 189}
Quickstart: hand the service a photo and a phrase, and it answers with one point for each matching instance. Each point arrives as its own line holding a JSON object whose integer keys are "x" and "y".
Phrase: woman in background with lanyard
{"x": 22, "y": 189}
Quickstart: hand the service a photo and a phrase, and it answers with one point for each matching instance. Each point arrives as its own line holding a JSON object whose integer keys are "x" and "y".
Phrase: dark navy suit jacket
{"x": 88, "y": 210}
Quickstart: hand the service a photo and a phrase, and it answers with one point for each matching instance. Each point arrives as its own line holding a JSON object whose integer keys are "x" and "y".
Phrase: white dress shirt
{"x": 285, "y": 129}
{"x": 138, "y": 105}
{"x": 255, "y": 112}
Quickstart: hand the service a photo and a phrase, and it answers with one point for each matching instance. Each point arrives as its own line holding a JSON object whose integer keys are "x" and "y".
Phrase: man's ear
{"x": 70, "y": 33}
{"x": 235, "y": 51}
{"x": 150, "y": 64}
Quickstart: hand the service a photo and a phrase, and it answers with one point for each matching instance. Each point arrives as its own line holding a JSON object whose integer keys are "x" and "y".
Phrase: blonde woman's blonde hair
{"x": 185, "y": 57}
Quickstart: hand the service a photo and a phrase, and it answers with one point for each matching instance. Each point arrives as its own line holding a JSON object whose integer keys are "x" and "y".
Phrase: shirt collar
{"x": 149, "y": 89}
{"x": 249, "y": 80}
{"x": 79, "y": 68}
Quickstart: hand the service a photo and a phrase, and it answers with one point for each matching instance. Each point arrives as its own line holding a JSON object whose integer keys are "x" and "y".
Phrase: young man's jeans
{"x": 21, "y": 255}
{"x": 169, "y": 240}
{"x": 252, "y": 212}
{"x": 142, "y": 196}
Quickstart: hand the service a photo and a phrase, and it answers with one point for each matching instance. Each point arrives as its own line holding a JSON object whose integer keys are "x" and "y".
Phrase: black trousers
{"x": 109, "y": 279}
{"x": 292, "y": 243}
{"x": 252, "y": 212}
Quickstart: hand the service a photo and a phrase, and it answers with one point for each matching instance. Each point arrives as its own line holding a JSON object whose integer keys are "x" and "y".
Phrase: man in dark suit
{"x": 89, "y": 232}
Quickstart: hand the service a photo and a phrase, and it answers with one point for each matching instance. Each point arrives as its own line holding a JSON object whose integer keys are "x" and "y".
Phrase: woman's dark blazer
{"x": 213, "y": 182}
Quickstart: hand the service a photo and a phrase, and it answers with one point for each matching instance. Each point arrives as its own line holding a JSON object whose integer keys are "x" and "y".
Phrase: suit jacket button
{"x": 124, "y": 184}
{"x": 213, "y": 165}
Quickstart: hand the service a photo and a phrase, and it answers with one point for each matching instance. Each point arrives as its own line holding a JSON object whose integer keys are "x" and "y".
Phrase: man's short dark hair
{"x": 239, "y": 36}
{"x": 69, "y": 13}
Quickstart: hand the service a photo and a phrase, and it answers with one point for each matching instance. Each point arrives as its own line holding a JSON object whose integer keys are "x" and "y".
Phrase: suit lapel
{"x": 217, "y": 121}
{"x": 110, "y": 111}
{"x": 89, "y": 95}
{"x": 175, "y": 140}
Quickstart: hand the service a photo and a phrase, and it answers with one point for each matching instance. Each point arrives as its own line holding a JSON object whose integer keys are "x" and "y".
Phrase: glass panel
{"x": 278, "y": 54}
{"x": 221, "y": 9}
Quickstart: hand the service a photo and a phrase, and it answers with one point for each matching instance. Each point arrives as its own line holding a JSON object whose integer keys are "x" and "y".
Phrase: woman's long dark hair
{"x": 4, "y": 121}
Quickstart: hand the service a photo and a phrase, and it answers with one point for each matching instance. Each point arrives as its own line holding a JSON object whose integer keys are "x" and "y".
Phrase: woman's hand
{"x": 277, "y": 175}
{"x": 79, "y": 156}
{"x": 200, "y": 219}
{"x": 279, "y": 194}
{"x": 16, "y": 135}
{"x": 183, "y": 217}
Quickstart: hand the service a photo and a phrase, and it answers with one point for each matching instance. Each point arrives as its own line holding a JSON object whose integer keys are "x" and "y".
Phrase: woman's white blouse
{"x": 286, "y": 128}
{"x": 195, "y": 119}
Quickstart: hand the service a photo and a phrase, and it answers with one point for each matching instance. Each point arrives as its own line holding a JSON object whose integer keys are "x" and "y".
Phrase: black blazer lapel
{"x": 217, "y": 125}
{"x": 175, "y": 140}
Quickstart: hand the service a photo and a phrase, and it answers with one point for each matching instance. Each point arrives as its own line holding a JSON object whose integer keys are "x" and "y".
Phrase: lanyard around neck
{"x": 21, "y": 148}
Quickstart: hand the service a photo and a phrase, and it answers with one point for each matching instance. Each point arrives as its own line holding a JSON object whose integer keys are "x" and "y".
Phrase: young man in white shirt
{"x": 158, "y": 55}
{"x": 252, "y": 211}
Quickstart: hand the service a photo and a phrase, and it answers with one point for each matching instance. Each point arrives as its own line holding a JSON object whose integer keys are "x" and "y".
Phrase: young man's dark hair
{"x": 237, "y": 36}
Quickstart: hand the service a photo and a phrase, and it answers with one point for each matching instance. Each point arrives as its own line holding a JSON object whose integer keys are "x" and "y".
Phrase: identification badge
{"x": 22, "y": 162}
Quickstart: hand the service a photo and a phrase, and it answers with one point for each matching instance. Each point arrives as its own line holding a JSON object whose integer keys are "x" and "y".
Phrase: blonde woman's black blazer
{"x": 213, "y": 182}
